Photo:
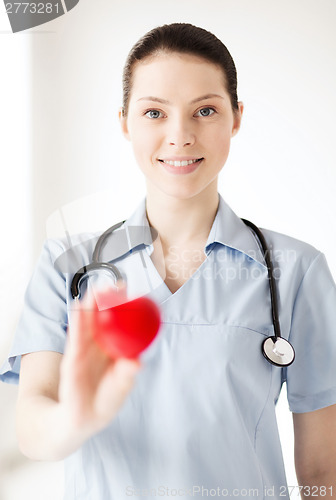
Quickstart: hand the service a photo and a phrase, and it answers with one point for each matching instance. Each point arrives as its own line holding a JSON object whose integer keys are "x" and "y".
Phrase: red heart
{"x": 125, "y": 330}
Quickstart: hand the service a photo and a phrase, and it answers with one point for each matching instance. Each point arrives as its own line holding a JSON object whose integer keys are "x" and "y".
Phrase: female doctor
{"x": 196, "y": 417}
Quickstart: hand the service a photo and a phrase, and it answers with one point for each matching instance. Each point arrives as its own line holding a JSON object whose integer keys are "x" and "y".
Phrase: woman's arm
{"x": 65, "y": 399}
{"x": 43, "y": 428}
{"x": 315, "y": 452}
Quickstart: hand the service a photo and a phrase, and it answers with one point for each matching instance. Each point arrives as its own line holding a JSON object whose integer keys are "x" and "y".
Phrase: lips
{"x": 181, "y": 162}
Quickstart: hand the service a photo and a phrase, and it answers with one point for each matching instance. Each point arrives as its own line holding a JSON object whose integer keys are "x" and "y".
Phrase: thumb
{"x": 125, "y": 367}
{"x": 115, "y": 386}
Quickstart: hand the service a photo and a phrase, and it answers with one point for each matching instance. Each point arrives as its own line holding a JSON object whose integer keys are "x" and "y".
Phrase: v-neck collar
{"x": 227, "y": 229}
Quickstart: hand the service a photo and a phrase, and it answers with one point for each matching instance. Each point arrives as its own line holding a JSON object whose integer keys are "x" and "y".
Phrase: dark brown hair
{"x": 181, "y": 38}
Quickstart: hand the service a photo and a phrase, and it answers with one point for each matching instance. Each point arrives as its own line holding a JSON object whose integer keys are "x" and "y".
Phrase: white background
{"x": 61, "y": 146}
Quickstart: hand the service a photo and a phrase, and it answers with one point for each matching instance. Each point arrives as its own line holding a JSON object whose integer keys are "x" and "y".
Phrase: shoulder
{"x": 67, "y": 254}
{"x": 287, "y": 249}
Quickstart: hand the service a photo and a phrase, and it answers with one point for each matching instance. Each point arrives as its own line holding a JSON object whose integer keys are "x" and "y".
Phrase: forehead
{"x": 175, "y": 74}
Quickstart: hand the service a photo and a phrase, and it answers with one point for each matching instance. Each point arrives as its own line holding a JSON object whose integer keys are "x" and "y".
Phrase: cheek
{"x": 139, "y": 147}
{"x": 144, "y": 144}
{"x": 218, "y": 141}
{"x": 219, "y": 131}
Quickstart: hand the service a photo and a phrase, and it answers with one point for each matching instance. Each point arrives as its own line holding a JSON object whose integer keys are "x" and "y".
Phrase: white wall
{"x": 15, "y": 216}
{"x": 281, "y": 173}
{"x": 284, "y": 52}
{"x": 15, "y": 162}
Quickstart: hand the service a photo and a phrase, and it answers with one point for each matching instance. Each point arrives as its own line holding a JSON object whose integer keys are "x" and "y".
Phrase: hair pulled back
{"x": 181, "y": 38}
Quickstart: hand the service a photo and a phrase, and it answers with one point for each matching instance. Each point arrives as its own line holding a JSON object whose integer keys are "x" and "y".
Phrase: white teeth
{"x": 179, "y": 163}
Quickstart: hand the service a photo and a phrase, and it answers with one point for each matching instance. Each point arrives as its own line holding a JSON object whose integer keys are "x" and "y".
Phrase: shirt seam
{"x": 319, "y": 254}
{"x": 265, "y": 333}
{"x": 258, "y": 423}
{"x": 300, "y": 286}
{"x": 310, "y": 396}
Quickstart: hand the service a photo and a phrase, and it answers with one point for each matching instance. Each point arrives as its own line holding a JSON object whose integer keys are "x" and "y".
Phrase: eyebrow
{"x": 164, "y": 101}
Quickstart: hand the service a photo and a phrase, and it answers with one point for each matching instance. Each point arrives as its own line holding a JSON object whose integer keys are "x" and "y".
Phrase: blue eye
{"x": 205, "y": 112}
{"x": 153, "y": 113}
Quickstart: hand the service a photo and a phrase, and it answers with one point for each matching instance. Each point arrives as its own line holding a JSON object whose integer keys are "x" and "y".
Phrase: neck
{"x": 182, "y": 221}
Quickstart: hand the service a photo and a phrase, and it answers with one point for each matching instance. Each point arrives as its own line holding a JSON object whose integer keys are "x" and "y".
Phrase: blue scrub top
{"x": 200, "y": 420}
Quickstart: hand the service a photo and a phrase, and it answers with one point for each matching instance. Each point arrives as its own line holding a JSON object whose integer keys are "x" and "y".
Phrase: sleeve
{"x": 311, "y": 379}
{"x": 43, "y": 322}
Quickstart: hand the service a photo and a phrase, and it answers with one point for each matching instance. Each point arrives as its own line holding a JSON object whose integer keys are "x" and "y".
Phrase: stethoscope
{"x": 277, "y": 350}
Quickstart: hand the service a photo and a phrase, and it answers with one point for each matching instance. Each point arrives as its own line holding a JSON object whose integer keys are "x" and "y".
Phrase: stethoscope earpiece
{"x": 96, "y": 265}
{"x": 278, "y": 351}
{"x": 83, "y": 273}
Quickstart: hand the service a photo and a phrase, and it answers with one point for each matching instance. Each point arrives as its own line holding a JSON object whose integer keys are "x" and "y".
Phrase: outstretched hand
{"x": 92, "y": 386}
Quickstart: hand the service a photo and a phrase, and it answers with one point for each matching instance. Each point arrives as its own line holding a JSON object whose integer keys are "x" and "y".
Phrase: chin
{"x": 182, "y": 192}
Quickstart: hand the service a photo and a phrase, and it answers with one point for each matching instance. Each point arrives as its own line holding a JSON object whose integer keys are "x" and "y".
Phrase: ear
{"x": 123, "y": 124}
{"x": 237, "y": 118}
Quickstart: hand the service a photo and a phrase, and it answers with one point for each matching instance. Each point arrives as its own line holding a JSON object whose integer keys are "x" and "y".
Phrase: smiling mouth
{"x": 183, "y": 163}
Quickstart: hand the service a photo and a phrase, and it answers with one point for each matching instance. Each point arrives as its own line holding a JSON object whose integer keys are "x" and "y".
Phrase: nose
{"x": 180, "y": 133}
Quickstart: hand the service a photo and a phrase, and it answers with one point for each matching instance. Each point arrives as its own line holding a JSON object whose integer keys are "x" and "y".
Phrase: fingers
{"x": 81, "y": 324}
{"x": 126, "y": 369}
{"x": 112, "y": 296}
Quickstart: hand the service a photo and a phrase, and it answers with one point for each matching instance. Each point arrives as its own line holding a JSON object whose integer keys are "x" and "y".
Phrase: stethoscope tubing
{"x": 271, "y": 345}
{"x": 271, "y": 279}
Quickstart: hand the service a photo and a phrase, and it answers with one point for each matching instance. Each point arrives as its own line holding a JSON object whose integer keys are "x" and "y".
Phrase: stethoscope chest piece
{"x": 278, "y": 351}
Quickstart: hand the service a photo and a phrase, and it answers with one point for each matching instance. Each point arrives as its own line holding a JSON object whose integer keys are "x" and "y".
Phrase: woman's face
{"x": 180, "y": 122}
